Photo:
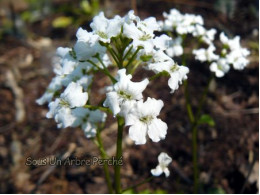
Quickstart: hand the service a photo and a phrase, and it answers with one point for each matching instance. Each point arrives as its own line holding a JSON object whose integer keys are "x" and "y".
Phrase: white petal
{"x": 164, "y": 159}
{"x": 166, "y": 172}
{"x": 112, "y": 102}
{"x": 157, "y": 171}
{"x": 89, "y": 129}
{"x": 64, "y": 117}
{"x": 173, "y": 82}
{"x": 74, "y": 96}
{"x": 157, "y": 130}
{"x": 137, "y": 133}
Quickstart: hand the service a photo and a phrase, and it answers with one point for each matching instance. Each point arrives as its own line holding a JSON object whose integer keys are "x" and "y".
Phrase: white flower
{"x": 140, "y": 38}
{"x": 88, "y": 120}
{"x": 61, "y": 113}
{"x": 79, "y": 76}
{"x": 236, "y": 54}
{"x": 87, "y": 45}
{"x": 231, "y": 43}
{"x": 55, "y": 85}
{"x": 162, "y": 42}
{"x": 62, "y": 51}
{"x": 67, "y": 62}
{"x": 73, "y": 96}
{"x": 143, "y": 120}
{"x": 142, "y": 33}
{"x": 238, "y": 59}
{"x": 172, "y": 20}
{"x": 106, "y": 28}
{"x": 220, "y": 68}
{"x": 165, "y": 63}
{"x": 175, "y": 48}
{"x": 131, "y": 17}
{"x": 162, "y": 167}
{"x": 123, "y": 91}
{"x": 204, "y": 55}
{"x": 60, "y": 109}
{"x": 181, "y": 23}
{"x": 207, "y": 36}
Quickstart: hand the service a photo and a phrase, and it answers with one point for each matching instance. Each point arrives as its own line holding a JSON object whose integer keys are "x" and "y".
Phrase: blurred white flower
{"x": 162, "y": 167}
{"x": 207, "y": 36}
{"x": 54, "y": 86}
{"x": 180, "y": 23}
{"x": 238, "y": 59}
{"x": 204, "y": 55}
{"x": 220, "y": 68}
{"x": 175, "y": 47}
{"x": 87, "y": 45}
{"x": 88, "y": 120}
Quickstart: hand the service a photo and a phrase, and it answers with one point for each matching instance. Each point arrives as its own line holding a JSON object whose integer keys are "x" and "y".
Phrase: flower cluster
{"x": 189, "y": 24}
{"x": 122, "y": 42}
{"x": 118, "y": 47}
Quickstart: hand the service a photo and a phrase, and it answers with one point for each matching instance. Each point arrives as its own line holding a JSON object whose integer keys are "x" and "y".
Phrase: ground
{"x": 228, "y": 152}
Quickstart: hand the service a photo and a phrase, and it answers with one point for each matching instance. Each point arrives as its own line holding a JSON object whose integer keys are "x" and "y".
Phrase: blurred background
{"x": 30, "y": 32}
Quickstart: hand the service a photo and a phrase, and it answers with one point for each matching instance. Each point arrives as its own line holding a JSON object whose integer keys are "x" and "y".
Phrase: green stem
{"x": 120, "y": 122}
{"x": 203, "y": 98}
{"x": 164, "y": 73}
{"x": 194, "y": 122}
{"x": 113, "y": 54}
{"x": 128, "y": 52}
{"x": 98, "y": 108}
{"x": 187, "y": 102}
{"x": 195, "y": 159}
{"x": 133, "y": 57}
{"x": 105, "y": 167}
{"x": 104, "y": 70}
{"x": 138, "y": 184}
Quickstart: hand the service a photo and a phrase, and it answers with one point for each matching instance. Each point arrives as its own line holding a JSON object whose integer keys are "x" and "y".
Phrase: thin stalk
{"x": 194, "y": 122}
{"x": 187, "y": 102}
{"x": 164, "y": 73}
{"x": 113, "y": 54}
{"x": 138, "y": 184}
{"x": 195, "y": 159}
{"x": 105, "y": 71}
{"x": 133, "y": 57}
{"x": 98, "y": 108}
{"x": 128, "y": 52}
{"x": 203, "y": 97}
{"x": 120, "y": 122}
{"x": 105, "y": 167}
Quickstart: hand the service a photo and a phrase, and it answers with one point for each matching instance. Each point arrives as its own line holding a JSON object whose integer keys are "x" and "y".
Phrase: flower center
{"x": 145, "y": 37}
{"x": 64, "y": 103}
{"x": 102, "y": 35}
{"x": 124, "y": 95}
{"x": 146, "y": 119}
{"x": 174, "y": 68}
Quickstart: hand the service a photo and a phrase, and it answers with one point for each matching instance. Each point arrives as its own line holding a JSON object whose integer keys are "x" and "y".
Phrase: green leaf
{"x": 85, "y": 6}
{"x": 160, "y": 191}
{"x": 130, "y": 191}
{"x": 146, "y": 58}
{"x": 206, "y": 119}
{"x": 217, "y": 190}
{"x": 62, "y": 22}
{"x": 146, "y": 191}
